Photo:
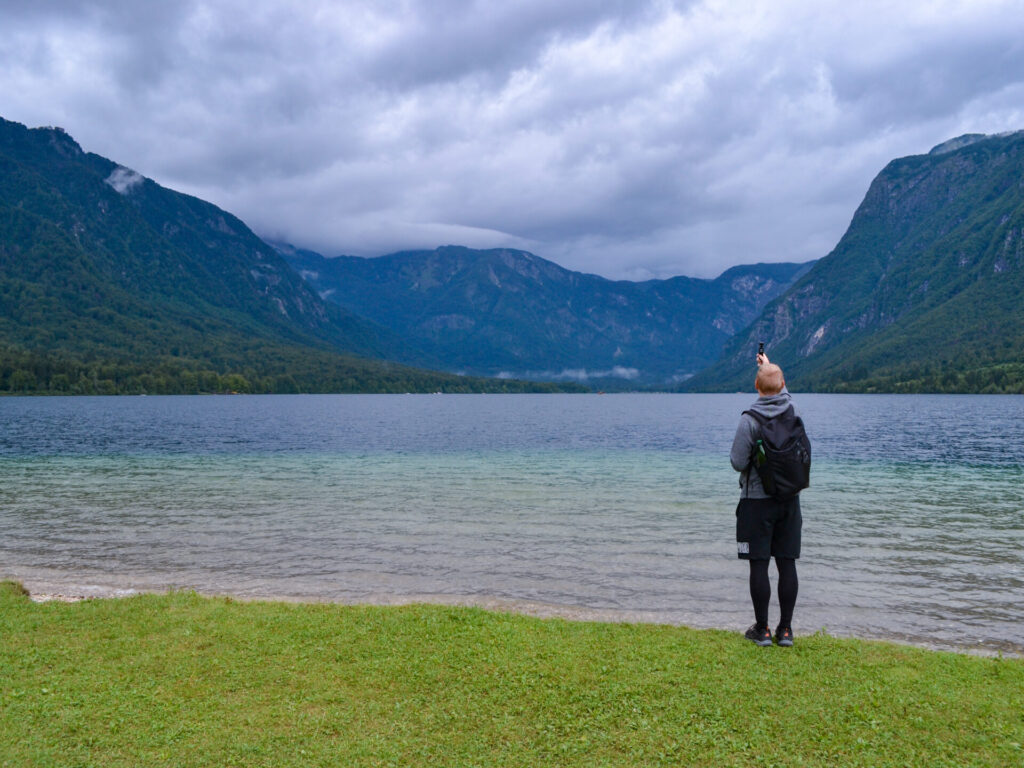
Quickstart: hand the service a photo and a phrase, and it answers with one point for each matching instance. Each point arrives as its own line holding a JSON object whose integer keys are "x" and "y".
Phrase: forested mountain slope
{"x": 922, "y": 293}
{"x": 110, "y": 282}
{"x": 508, "y": 312}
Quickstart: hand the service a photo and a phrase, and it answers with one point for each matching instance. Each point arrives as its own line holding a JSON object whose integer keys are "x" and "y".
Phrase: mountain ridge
{"x": 922, "y": 292}
{"x": 511, "y": 312}
{"x": 110, "y": 282}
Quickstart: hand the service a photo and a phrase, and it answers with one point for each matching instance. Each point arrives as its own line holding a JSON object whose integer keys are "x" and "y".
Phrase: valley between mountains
{"x": 111, "y": 283}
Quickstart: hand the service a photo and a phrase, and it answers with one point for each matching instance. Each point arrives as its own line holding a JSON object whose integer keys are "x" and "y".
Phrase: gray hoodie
{"x": 746, "y": 438}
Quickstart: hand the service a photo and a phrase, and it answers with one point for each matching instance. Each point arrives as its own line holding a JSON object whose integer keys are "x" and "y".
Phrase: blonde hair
{"x": 769, "y": 379}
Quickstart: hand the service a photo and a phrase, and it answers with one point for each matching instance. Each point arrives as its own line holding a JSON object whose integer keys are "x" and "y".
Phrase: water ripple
{"x": 914, "y": 526}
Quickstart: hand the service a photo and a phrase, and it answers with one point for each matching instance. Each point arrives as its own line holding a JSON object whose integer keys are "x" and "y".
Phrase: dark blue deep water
{"x": 613, "y": 506}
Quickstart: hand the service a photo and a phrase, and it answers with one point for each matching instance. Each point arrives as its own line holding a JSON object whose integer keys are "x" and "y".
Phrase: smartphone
{"x": 760, "y": 347}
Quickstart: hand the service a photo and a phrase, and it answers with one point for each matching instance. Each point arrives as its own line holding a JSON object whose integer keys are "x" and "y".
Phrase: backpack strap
{"x": 759, "y": 419}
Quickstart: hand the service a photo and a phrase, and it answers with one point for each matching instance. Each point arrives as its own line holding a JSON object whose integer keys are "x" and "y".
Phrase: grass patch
{"x": 184, "y": 680}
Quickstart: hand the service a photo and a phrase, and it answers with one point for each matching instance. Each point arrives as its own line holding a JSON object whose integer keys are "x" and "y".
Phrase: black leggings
{"x": 761, "y": 590}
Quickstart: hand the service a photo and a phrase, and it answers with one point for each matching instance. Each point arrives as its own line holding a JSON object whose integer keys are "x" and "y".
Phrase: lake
{"x": 615, "y": 507}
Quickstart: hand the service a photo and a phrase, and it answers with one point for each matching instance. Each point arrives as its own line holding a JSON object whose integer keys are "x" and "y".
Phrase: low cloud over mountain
{"x": 630, "y": 139}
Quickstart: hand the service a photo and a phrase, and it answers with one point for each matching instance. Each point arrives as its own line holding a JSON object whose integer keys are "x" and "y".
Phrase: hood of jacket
{"x": 771, "y": 406}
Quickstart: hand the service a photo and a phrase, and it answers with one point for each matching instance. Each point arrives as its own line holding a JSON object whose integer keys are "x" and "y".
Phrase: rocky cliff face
{"x": 931, "y": 258}
{"x": 508, "y": 312}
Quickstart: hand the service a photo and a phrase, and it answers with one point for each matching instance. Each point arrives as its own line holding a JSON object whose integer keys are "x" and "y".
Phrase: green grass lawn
{"x": 183, "y": 680}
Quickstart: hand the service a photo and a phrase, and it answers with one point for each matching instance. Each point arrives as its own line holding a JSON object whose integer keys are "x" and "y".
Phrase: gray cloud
{"x": 632, "y": 139}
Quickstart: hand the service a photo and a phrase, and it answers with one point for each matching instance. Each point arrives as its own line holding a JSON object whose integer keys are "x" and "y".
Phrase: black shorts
{"x": 768, "y": 528}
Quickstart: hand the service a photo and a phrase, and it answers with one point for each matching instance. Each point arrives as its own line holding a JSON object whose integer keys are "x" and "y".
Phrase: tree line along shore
{"x": 273, "y": 371}
{"x": 30, "y": 373}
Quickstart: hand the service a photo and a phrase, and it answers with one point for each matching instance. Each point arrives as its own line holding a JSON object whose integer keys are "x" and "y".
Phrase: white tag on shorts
{"x": 743, "y": 547}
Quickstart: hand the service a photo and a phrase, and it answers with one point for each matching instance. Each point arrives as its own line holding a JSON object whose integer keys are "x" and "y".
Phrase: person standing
{"x": 765, "y": 526}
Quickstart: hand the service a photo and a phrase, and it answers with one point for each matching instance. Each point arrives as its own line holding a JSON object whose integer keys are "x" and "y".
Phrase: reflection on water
{"x": 620, "y": 505}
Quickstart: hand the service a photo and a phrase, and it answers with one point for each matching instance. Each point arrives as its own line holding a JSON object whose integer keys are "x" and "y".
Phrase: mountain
{"x": 923, "y": 291}
{"x": 110, "y": 283}
{"x": 510, "y": 313}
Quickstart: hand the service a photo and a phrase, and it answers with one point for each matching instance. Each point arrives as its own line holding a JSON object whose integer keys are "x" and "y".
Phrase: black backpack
{"x": 782, "y": 454}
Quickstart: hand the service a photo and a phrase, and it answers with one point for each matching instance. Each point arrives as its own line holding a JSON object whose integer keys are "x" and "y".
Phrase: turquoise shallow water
{"x": 612, "y": 506}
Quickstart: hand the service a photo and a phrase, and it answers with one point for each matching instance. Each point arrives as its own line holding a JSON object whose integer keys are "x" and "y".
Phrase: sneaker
{"x": 784, "y": 637}
{"x": 759, "y": 635}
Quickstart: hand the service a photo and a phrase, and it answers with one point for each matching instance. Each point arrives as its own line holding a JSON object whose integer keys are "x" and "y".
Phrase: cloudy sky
{"x": 628, "y": 138}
